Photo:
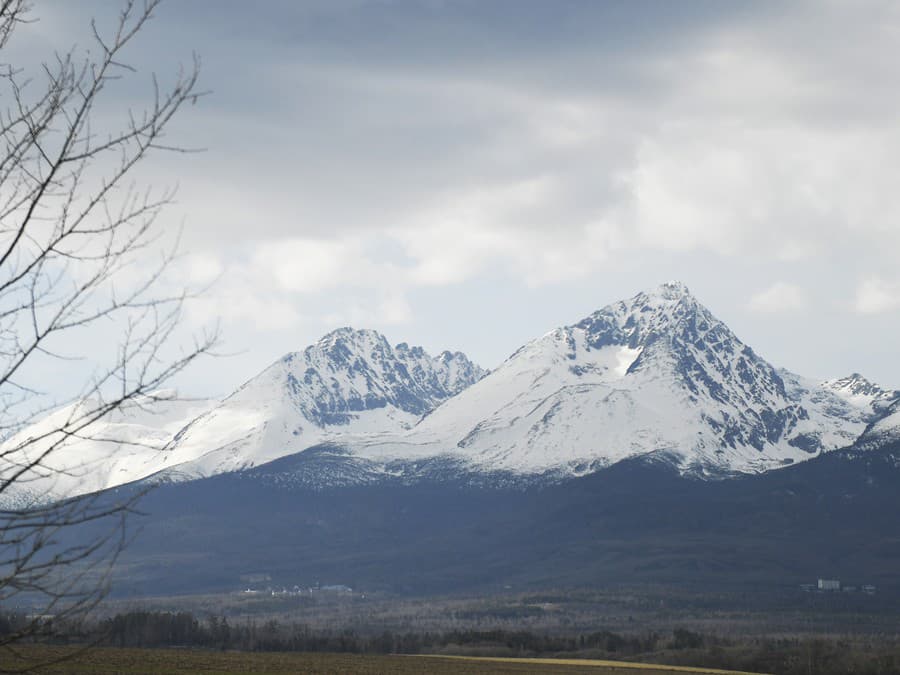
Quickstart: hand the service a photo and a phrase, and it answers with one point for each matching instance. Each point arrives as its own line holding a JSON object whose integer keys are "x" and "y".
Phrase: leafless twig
{"x": 75, "y": 235}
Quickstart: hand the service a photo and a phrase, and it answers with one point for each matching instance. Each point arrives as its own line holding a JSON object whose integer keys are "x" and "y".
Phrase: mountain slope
{"x": 349, "y": 382}
{"x": 883, "y": 431}
{"x": 862, "y": 393}
{"x": 121, "y": 447}
{"x": 637, "y": 522}
{"x": 657, "y": 373}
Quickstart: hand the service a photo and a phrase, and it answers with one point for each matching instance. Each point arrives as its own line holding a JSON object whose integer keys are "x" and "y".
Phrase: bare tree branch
{"x": 75, "y": 238}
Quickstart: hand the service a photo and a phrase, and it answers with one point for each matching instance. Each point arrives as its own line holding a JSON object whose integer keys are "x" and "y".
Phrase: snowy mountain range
{"x": 656, "y": 375}
{"x": 349, "y": 382}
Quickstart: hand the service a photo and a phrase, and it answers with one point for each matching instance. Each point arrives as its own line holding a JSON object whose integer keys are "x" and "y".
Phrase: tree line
{"x": 783, "y": 656}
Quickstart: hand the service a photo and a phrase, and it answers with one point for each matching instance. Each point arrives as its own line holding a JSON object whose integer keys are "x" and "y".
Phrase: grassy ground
{"x": 111, "y": 660}
{"x": 596, "y": 667}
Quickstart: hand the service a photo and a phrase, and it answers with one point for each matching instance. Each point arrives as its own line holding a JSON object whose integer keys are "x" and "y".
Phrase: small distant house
{"x": 869, "y": 589}
{"x": 829, "y": 585}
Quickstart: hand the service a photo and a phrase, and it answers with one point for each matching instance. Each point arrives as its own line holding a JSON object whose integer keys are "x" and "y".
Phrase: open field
{"x": 590, "y": 665}
{"x": 113, "y": 660}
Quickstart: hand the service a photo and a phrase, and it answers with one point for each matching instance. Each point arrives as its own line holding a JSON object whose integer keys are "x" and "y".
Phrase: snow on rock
{"x": 886, "y": 429}
{"x": 117, "y": 448}
{"x": 657, "y": 373}
{"x": 349, "y": 382}
{"x": 862, "y": 393}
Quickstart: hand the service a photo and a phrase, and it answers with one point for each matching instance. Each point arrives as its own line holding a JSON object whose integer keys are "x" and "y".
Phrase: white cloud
{"x": 512, "y": 227}
{"x": 874, "y": 296}
{"x": 779, "y": 297}
{"x": 777, "y": 191}
{"x": 280, "y": 284}
{"x": 203, "y": 268}
{"x": 303, "y": 265}
{"x": 742, "y": 141}
{"x": 383, "y": 311}
{"x": 356, "y": 177}
{"x": 238, "y": 305}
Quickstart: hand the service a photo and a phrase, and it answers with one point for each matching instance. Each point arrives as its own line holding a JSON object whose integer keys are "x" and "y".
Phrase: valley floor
{"x": 785, "y": 612}
{"x": 784, "y": 630}
{"x": 118, "y": 660}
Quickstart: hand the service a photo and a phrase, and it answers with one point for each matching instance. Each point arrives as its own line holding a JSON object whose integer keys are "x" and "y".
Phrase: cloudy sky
{"x": 469, "y": 175}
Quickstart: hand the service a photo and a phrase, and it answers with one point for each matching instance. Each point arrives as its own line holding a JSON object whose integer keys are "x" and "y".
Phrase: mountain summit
{"x": 656, "y": 374}
{"x": 349, "y": 372}
{"x": 349, "y": 382}
{"x": 862, "y": 392}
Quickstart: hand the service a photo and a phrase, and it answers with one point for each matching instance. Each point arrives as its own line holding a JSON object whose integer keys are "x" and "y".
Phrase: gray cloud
{"x": 417, "y": 166}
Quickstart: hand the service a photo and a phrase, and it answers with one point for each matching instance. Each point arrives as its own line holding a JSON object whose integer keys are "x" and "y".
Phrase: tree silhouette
{"x": 76, "y": 235}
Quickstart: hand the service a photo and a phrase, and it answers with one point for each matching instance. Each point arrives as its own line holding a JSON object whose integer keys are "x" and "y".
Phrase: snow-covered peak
{"x": 648, "y": 315}
{"x": 656, "y": 373}
{"x": 343, "y": 344}
{"x": 349, "y": 382}
{"x": 669, "y": 325}
{"x": 351, "y": 370}
{"x": 347, "y": 335}
{"x": 670, "y": 291}
{"x": 880, "y": 405}
{"x": 861, "y": 392}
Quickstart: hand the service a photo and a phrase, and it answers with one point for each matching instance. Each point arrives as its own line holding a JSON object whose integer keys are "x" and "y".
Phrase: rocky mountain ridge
{"x": 656, "y": 375}
{"x": 350, "y": 381}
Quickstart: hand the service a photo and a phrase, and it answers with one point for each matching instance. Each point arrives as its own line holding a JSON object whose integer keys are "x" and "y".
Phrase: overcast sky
{"x": 469, "y": 175}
